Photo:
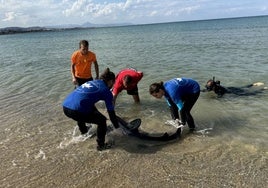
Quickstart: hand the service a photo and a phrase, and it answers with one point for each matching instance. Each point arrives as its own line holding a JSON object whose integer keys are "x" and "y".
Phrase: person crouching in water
{"x": 127, "y": 79}
{"x": 181, "y": 95}
{"x": 79, "y": 105}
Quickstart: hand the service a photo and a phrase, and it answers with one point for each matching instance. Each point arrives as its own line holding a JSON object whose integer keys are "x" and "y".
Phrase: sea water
{"x": 40, "y": 147}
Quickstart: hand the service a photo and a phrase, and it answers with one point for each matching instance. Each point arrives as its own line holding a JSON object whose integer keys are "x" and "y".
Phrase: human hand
{"x": 74, "y": 81}
{"x": 179, "y": 123}
{"x": 175, "y": 123}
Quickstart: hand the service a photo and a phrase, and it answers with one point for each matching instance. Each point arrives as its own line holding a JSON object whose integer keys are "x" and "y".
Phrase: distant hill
{"x": 13, "y": 30}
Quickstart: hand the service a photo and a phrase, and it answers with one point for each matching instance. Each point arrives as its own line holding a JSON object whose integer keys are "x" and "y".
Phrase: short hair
{"x": 84, "y": 43}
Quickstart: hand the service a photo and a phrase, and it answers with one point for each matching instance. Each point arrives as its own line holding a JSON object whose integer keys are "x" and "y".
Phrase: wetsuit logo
{"x": 87, "y": 85}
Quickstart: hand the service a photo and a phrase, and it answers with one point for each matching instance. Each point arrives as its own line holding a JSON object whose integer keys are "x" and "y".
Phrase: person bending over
{"x": 79, "y": 105}
{"x": 127, "y": 79}
{"x": 181, "y": 94}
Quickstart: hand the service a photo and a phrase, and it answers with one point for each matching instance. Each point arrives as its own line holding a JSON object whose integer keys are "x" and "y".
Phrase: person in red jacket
{"x": 127, "y": 79}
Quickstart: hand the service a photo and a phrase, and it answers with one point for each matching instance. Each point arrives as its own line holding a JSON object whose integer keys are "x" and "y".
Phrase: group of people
{"x": 180, "y": 93}
{"x": 79, "y": 105}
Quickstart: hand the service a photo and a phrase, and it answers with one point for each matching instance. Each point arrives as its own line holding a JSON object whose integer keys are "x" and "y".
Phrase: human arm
{"x": 114, "y": 98}
{"x": 108, "y": 98}
{"x": 182, "y": 112}
{"x": 176, "y": 106}
{"x": 113, "y": 118}
{"x": 73, "y": 74}
{"x": 96, "y": 65}
{"x": 117, "y": 88}
{"x": 73, "y": 62}
{"x": 173, "y": 110}
{"x": 182, "y": 121}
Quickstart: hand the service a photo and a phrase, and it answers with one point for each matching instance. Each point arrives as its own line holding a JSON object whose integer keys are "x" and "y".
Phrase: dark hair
{"x": 107, "y": 75}
{"x": 155, "y": 87}
{"x": 84, "y": 43}
{"x": 212, "y": 84}
{"x": 128, "y": 79}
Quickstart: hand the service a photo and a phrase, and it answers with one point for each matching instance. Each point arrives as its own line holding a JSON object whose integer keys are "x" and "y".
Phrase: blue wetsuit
{"x": 80, "y": 106}
{"x": 83, "y": 98}
{"x": 181, "y": 94}
{"x": 177, "y": 88}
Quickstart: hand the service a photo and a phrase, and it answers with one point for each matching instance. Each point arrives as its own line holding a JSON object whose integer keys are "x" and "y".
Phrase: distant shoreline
{"x": 16, "y": 30}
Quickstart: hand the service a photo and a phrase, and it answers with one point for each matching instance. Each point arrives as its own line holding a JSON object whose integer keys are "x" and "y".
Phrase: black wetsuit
{"x": 240, "y": 91}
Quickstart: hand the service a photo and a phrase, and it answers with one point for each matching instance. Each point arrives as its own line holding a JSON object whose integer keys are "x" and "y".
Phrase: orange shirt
{"x": 83, "y": 64}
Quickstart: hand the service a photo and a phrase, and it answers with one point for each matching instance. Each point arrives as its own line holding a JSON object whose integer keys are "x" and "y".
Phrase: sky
{"x": 28, "y": 13}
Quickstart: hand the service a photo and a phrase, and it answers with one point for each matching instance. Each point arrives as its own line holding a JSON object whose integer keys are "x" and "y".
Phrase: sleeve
{"x": 113, "y": 118}
{"x": 179, "y": 104}
{"x": 117, "y": 87}
{"x": 177, "y": 101}
{"x": 108, "y": 98}
{"x": 139, "y": 76}
{"x": 173, "y": 110}
{"x": 74, "y": 57}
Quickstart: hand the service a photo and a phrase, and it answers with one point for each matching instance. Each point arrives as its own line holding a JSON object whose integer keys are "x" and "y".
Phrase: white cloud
{"x": 57, "y": 12}
{"x": 9, "y": 16}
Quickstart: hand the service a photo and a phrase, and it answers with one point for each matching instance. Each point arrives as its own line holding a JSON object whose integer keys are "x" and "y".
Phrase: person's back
{"x": 135, "y": 76}
{"x": 127, "y": 79}
{"x": 181, "y": 86}
{"x": 84, "y": 97}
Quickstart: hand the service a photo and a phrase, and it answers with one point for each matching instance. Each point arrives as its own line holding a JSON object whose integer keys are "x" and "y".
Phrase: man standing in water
{"x": 81, "y": 62}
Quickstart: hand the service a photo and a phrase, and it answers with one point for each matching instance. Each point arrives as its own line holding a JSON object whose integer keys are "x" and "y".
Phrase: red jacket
{"x": 118, "y": 85}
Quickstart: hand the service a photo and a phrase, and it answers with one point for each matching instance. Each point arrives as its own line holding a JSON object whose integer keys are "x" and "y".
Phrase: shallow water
{"x": 40, "y": 147}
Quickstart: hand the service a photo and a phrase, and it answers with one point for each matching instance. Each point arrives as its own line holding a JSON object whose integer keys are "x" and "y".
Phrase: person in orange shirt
{"x": 81, "y": 62}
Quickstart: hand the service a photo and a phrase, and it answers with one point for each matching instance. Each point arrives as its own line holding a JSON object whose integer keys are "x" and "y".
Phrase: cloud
{"x": 60, "y": 12}
{"x": 86, "y": 8}
{"x": 9, "y": 16}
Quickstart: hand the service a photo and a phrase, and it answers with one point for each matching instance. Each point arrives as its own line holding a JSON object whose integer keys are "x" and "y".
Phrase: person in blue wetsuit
{"x": 80, "y": 106}
{"x": 181, "y": 95}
